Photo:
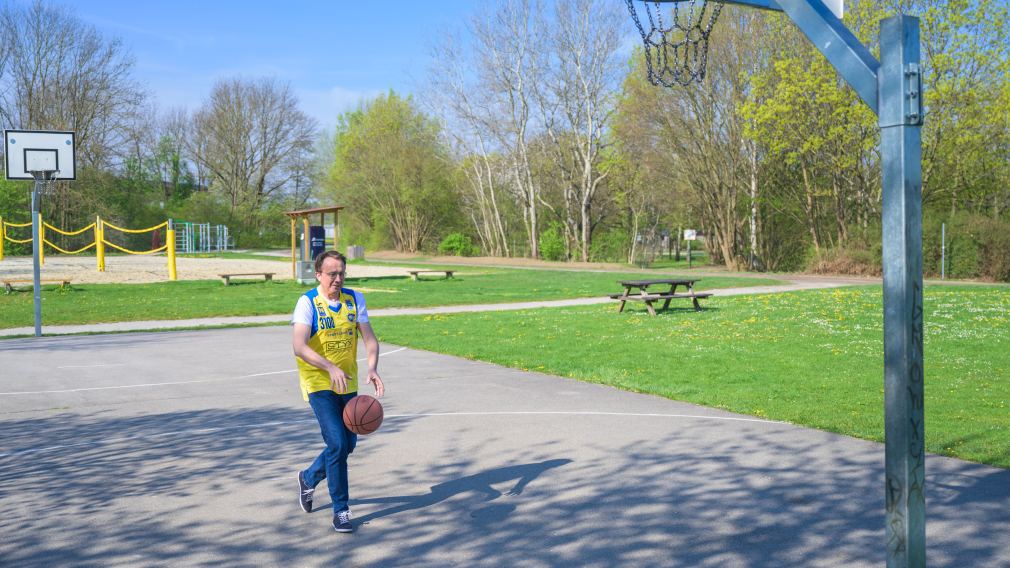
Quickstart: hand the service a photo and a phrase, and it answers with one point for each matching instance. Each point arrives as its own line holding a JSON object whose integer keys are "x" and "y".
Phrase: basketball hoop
{"x": 676, "y": 54}
{"x": 44, "y": 156}
{"x": 45, "y": 181}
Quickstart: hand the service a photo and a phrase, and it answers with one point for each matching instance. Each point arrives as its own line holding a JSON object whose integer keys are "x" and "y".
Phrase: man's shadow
{"x": 479, "y": 482}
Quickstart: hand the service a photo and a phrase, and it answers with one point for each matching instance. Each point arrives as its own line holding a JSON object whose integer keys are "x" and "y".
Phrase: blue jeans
{"x": 331, "y": 464}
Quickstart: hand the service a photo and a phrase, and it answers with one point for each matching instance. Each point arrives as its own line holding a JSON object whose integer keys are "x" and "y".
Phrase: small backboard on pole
{"x": 45, "y": 156}
{"x": 27, "y": 151}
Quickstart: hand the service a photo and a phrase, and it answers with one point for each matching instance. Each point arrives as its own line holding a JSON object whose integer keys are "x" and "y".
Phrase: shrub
{"x": 610, "y": 246}
{"x": 992, "y": 238}
{"x": 854, "y": 259}
{"x": 457, "y": 244}
{"x": 977, "y": 247}
{"x": 552, "y": 243}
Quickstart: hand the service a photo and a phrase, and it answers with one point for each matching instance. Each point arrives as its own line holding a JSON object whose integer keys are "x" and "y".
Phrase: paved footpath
{"x": 150, "y": 325}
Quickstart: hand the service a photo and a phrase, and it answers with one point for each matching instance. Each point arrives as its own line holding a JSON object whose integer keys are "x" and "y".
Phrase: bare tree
{"x": 701, "y": 130}
{"x": 464, "y": 104}
{"x": 176, "y": 167}
{"x": 577, "y": 99}
{"x": 509, "y": 40}
{"x": 253, "y": 142}
{"x": 60, "y": 73}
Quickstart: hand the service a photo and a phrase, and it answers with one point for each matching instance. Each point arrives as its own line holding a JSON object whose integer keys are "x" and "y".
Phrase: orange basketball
{"x": 363, "y": 414}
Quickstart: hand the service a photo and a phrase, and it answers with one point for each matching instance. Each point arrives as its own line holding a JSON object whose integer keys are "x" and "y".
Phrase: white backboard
{"x": 27, "y": 150}
{"x": 836, "y": 6}
{"x": 690, "y": 235}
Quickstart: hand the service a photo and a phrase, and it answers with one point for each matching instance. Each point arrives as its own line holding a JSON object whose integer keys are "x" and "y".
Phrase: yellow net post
{"x": 294, "y": 271}
{"x": 42, "y": 241}
{"x": 305, "y": 238}
{"x": 170, "y": 241}
{"x": 3, "y": 237}
{"x": 99, "y": 244}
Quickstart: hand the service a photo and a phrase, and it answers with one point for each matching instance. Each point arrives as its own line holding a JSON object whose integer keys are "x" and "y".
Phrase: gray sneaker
{"x": 342, "y": 522}
{"x": 305, "y": 494}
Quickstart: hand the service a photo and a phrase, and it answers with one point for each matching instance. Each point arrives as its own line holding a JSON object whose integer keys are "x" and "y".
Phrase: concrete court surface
{"x": 181, "y": 448}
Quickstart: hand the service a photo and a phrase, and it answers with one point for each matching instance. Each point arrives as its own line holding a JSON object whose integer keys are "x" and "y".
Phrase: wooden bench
{"x": 414, "y": 273}
{"x": 10, "y": 284}
{"x": 226, "y": 278}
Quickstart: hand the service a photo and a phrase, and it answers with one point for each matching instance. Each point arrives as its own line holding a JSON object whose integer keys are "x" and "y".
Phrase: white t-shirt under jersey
{"x": 306, "y": 313}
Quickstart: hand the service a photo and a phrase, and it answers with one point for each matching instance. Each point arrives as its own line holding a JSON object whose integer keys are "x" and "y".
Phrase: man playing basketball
{"x": 326, "y": 324}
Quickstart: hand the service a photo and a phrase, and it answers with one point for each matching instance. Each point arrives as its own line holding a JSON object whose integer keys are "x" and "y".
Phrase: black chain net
{"x": 677, "y": 53}
{"x": 46, "y": 182}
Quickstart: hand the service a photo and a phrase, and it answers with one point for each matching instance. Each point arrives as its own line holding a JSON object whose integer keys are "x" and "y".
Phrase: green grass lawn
{"x": 812, "y": 358}
{"x": 95, "y": 303}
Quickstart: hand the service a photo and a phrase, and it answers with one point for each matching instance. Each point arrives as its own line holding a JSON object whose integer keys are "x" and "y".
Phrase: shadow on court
{"x": 217, "y": 487}
{"x": 480, "y": 483}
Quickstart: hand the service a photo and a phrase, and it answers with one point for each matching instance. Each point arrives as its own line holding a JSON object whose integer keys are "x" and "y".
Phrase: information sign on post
{"x": 690, "y": 235}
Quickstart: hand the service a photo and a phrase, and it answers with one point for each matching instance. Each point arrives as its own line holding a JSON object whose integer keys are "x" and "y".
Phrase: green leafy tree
{"x": 256, "y": 145}
{"x": 393, "y": 172}
{"x": 818, "y": 132}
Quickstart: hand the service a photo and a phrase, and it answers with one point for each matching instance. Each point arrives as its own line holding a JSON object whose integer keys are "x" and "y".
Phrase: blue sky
{"x": 333, "y": 53}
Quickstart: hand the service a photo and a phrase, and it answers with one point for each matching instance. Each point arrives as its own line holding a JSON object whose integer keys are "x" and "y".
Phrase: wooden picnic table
{"x": 638, "y": 290}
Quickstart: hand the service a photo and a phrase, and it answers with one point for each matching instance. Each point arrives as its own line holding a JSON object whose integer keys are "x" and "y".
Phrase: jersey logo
{"x": 351, "y": 317}
{"x": 336, "y": 346}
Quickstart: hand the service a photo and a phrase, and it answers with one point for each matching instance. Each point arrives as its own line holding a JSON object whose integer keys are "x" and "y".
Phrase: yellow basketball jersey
{"x": 335, "y": 337}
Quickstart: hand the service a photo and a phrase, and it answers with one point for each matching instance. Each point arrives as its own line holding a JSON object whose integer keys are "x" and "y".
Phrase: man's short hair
{"x": 329, "y": 254}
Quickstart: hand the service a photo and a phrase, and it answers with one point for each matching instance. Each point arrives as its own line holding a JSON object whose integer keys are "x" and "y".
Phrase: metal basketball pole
{"x": 36, "y": 245}
{"x": 900, "y": 117}
{"x": 892, "y": 88}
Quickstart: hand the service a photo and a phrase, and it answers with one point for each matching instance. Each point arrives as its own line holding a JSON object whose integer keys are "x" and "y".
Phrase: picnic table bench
{"x": 226, "y": 278}
{"x": 10, "y": 284}
{"x": 643, "y": 294}
{"x": 414, "y": 273}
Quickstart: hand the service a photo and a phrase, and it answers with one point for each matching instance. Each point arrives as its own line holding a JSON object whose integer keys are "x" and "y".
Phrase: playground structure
{"x": 201, "y": 237}
{"x": 312, "y": 242}
{"x": 99, "y": 241}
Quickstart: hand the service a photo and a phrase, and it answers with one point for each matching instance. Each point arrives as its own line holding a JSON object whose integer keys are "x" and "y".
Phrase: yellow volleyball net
{"x": 98, "y": 241}
{"x": 168, "y": 247}
{"x": 6, "y": 235}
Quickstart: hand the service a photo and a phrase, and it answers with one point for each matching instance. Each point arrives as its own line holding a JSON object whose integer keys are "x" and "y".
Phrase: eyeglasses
{"x": 332, "y": 275}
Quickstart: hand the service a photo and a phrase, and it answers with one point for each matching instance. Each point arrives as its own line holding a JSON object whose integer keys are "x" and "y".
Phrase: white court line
{"x": 591, "y": 413}
{"x": 393, "y": 416}
{"x": 173, "y": 383}
{"x": 90, "y": 366}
